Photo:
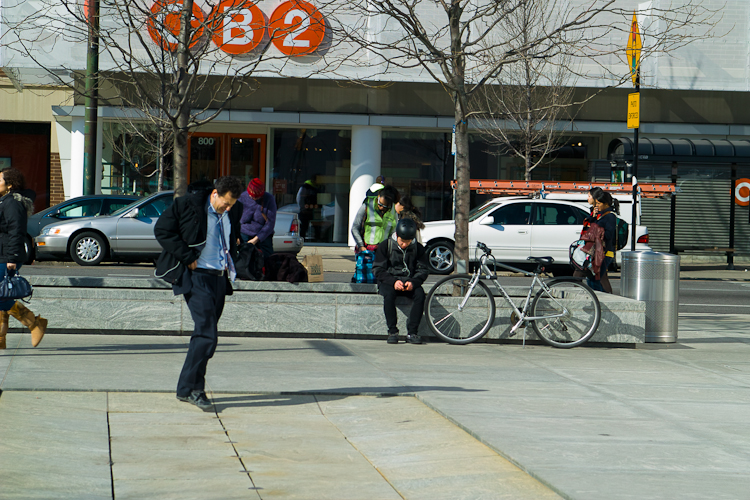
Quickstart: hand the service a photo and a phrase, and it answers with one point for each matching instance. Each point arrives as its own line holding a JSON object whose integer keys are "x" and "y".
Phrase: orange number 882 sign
{"x": 296, "y": 27}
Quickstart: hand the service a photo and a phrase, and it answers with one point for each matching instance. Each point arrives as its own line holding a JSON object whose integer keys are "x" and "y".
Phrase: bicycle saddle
{"x": 542, "y": 260}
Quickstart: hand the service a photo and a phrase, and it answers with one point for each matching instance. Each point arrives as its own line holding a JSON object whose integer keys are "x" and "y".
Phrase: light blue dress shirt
{"x": 214, "y": 255}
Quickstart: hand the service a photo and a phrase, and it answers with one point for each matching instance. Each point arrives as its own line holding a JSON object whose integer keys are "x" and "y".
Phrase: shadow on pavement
{"x": 298, "y": 398}
{"x": 139, "y": 349}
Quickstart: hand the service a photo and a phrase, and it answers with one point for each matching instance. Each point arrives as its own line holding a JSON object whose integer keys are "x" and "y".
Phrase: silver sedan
{"x": 128, "y": 235}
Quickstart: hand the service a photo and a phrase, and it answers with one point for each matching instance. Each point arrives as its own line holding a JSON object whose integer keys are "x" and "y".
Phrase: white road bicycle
{"x": 563, "y": 312}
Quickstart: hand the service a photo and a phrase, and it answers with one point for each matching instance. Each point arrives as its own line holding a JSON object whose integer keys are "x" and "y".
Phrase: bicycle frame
{"x": 484, "y": 272}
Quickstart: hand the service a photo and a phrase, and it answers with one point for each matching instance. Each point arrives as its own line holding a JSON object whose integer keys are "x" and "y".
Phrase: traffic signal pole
{"x": 91, "y": 119}
{"x": 635, "y": 175}
{"x": 634, "y": 103}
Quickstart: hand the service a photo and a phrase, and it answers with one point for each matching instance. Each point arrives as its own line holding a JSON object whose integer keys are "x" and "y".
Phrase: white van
{"x": 626, "y": 213}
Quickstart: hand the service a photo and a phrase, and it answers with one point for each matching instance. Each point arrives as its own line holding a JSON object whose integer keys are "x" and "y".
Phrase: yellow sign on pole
{"x": 634, "y": 110}
{"x": 634, "y": 50}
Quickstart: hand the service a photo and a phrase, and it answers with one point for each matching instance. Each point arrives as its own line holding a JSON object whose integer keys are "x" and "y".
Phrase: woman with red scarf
{"x": 603, "y": 210}
{"x": 258, "y": 217}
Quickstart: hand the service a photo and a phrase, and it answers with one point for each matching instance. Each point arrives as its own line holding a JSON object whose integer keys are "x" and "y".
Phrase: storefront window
{"x": 131, "y": 159}
{"x": 310, "y": 176}
{"x": 569, "y": 162}
{"x": 420, "y": 164}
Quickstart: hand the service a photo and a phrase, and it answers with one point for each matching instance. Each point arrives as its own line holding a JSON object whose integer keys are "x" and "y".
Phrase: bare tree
{"x": 461, "y": 45}
{"x": 174, "y": 61}
{"x": 520, "y": 111}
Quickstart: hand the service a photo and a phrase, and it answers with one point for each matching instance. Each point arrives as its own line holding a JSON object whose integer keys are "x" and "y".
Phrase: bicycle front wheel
{"x": 454, "y": 317}
{"x": 572, "y": 311}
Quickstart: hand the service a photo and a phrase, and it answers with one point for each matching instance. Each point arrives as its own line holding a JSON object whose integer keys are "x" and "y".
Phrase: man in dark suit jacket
{"x": 199, "y": 234}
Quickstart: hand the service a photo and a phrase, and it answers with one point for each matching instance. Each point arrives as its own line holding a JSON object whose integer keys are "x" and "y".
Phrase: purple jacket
{"x": 252, "y": 222}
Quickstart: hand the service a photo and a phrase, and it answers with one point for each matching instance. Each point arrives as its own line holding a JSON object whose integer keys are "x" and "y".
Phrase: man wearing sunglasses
{"x": 375, "y": 220}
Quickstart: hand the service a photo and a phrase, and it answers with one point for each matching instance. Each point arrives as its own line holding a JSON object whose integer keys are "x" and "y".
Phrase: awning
{"x": 681, "y": 150}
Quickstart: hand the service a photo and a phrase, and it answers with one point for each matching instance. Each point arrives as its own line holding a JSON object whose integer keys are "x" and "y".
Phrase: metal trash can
{"x": 654, "y": 278}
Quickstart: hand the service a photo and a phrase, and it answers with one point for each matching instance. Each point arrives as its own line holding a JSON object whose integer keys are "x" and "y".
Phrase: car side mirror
{"x": 487, "y": 221}
{"x": 133, "y": 214}
{"x": 55, "y": 214}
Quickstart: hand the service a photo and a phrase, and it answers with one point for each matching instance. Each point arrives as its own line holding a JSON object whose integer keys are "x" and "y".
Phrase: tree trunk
{"x": 462, "y": 183}
{"x": 183, "y": 116}
{"x": 527, "y": 160}
{"x": 180, "y": 156}
{"x": 160, "y": 166}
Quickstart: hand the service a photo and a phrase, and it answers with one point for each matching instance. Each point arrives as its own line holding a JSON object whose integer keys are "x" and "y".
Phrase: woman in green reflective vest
{"x": 375, "y": 220}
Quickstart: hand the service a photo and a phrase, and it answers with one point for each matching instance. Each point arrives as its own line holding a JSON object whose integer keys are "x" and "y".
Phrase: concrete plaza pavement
{"x": 94, "y": 416}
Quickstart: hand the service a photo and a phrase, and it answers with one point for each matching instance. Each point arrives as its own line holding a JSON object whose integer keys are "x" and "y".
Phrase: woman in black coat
{"x": 605, "y": 208}
{"x": 14, "y": 209}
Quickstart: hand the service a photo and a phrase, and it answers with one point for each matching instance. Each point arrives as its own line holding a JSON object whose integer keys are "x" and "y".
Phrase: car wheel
{"x": 440, "y": 257}
{"x": 88, "y": 249}
{"x": 30, "y": 251}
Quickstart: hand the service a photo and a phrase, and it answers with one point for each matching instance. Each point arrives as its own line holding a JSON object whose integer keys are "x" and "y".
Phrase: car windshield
{"x": 125, "y": 208}
{"x": 477, "y": 212}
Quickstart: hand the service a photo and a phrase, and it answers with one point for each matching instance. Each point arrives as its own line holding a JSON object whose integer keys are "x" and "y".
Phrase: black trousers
{"x": 389, "y": 308}
{"x": 206, "y": 303}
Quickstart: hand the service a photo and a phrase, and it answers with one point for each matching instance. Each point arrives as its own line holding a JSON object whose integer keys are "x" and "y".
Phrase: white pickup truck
{"x": 518, "y": 227}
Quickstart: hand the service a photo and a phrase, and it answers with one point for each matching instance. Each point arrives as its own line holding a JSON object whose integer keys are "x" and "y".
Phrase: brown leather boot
{"x": 36, "y": 324}
{"x": 3, "y": 327}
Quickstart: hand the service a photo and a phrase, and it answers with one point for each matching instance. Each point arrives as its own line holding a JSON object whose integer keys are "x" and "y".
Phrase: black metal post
{"x": 634, "y": 172}
{"x": 672, "y": 210}
{"x": 92, "y": 100}
{"x": 730, "y": 254}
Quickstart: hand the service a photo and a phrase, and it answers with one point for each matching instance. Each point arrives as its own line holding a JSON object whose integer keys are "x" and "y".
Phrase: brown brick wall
{"x": 56, "y": 191}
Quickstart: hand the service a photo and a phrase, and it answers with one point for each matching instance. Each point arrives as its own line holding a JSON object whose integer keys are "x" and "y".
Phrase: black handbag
{"x": 14, "y": 287}
{"x": 249, "y": 263}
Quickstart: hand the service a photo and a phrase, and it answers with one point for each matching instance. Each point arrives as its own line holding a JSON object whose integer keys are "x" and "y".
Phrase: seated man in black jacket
{"x": 400, "y": 268}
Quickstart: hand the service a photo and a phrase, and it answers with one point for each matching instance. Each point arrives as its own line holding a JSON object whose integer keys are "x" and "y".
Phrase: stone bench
{"x": 333, "y": 310}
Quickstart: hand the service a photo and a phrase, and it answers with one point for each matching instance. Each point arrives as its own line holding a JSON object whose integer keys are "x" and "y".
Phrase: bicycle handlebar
{"x": 484, "y": 248}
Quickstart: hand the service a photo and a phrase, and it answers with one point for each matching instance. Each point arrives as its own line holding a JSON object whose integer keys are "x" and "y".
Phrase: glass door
{"x": 205, "y": 158}
{"x": 215, "y": 155}
{"x": 247, "y": 157}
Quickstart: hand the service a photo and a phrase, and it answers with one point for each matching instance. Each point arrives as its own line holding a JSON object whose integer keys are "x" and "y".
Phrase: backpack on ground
{"x": 249, "y": 263}
{"x": 285, "y": 267}
{"x": 363, "y": 269}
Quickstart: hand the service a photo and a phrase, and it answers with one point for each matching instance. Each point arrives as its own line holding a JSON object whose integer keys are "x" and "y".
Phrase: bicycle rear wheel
{"x": 577, "y": 310}
{"x": 454, "y": 325}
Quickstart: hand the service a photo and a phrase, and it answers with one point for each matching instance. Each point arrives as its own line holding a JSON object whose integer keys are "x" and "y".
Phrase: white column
{"x": 366, "y": 146}
{"x": 74, "y": 182}
{"x": 64, "y": 141}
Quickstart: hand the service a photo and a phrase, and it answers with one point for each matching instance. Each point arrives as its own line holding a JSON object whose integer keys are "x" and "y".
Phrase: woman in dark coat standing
{"x": 14, "y": 209}
{"x": 603, "y": 214}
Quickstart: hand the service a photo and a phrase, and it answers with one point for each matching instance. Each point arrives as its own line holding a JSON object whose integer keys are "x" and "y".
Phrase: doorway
{"x": 215, "y": 155}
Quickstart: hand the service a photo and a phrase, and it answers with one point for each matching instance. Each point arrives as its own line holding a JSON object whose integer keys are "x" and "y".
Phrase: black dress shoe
{"x": 414, "y": 339}
{"x": 199, "y": 399}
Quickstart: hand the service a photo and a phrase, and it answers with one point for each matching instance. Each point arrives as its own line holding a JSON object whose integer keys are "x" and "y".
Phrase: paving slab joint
{"x": 489, "y": 445}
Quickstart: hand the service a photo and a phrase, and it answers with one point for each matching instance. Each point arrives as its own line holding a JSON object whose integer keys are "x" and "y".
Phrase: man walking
{"x": 199, "y": 235}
